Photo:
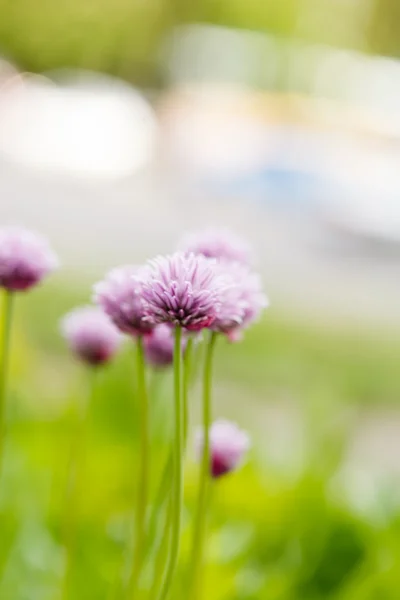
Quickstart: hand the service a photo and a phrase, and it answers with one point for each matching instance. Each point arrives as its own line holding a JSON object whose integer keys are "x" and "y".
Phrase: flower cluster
{"x": 208, "y": 284}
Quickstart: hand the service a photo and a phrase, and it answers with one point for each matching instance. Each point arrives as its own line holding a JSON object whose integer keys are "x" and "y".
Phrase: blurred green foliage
{"x": 308, "y": 529}
{"x": 124, "y": 37}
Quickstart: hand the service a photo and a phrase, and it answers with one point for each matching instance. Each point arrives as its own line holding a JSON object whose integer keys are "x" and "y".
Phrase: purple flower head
{"x": 254, "y": 298}
{"x": 228, "y": 445}
{"x": 232, "y": 308}
{"x": 241, "y": 302}
{"x": 221, "y": 244}
{"x": 91, "y": 335}
{"x": 120, "y": 296}
{"x": 25, "y": 258}
{"x": 159, "y": 346}
{"x": 182, "y": 289}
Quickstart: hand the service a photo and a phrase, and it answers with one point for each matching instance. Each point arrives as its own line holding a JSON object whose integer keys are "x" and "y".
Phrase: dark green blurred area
{"x": 124, "y": 37}
{"x": 305, "y": 526}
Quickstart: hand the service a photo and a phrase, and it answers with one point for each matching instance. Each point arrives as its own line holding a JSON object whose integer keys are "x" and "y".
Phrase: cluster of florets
{"x": 207, "y": 284}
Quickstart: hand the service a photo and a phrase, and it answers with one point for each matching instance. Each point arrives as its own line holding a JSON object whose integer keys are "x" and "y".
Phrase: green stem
{"x": 162, "y": 553}
{"x": 163, "y": 487}
{"x": 177, "y": 498}
{"x": 160, "y": 498}
{"x": 5, "y": 357}
{"x": 201, "y": 509}
{"x": 75, "y": 480}
{"x": 143, "y": 480}
{"x": 187, "y": 374}
{"x": 198, "y": 352}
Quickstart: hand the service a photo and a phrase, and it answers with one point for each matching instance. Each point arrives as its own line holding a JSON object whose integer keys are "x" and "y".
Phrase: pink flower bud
{"x": 25, "y": 259}
{"x": 228, "y": 445}
{"x": 159, "y": 346}
{"x": 91, "y": 335}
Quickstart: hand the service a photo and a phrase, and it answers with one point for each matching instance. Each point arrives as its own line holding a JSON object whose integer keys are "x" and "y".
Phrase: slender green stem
{"x": 5, "y": 357}
{"x": 75, "y": 480}
{"x": 160, "y": 498}
{"x": 162, "y": 553}
{"x": 201, "y": 509}
{"x": 163, "y": 487}
{"x": 177, "y": 498}
{"x": 187, "y": 374}
{"x": 197, "y": 361}
{"x": 143, "y": 480}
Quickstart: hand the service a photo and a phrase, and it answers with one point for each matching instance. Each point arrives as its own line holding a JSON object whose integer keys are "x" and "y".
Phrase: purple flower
{"x": 221, "y": 244}
{"x": 120, "y": 296}
{"x": 91, "y": 335}
{"x": 228, "y": 445}
{"x": 232, "y": 308}
{"x": 182, "y": 289}
{"x": 25, "y": 258}
{"x": 159, "y": 346}
{"x": 254, "y": 298}
{"x": 241, "y": 301}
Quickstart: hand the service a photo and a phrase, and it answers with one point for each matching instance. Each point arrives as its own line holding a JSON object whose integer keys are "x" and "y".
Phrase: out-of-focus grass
{"x": 280, "y": 354}
{"x": 360, "y": 366}
{"x": 274, "y": 533}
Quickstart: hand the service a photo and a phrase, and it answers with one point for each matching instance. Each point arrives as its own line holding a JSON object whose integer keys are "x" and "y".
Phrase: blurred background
{"x": 124, "y": 124}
